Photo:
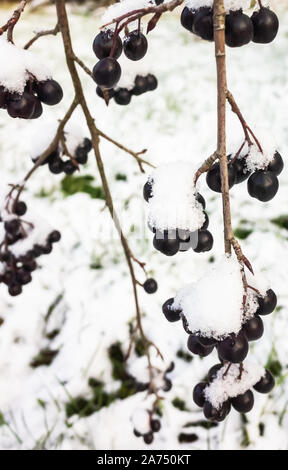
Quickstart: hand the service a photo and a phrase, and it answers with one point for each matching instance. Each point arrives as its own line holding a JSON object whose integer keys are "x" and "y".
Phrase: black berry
{"x": 277, "y": 164}
{"x": 147, "y": 191}
{"x": 155, "y": 425}
{"x": 203, "y": 24}
{"x": 22, "y": 106}
{"x": 241, "y": 172}
{"x": 151, "y": 82}
{"x": 263, "y": 185}
{"x": 196, "y": 347}
{"x": 205, "y": 241}
{"x": 150, "y": 286}
{"x": 239, "y": 29}
{"x": 140, "y": 85}
{"x": 212, "y": 374}
{"x": 213, "y": 177}
{"x": 171, "y": 314}
{"x": 267, "y": 304}
{"x": 234, "y": 348}
{"x": 122, "y": 96}
{"x": 266, "y": 25}
{"x": 49, "y": 92}
{"x": 54, "y": 236}
{"x": 198, "y": 394}
{"x": 253, "y": 328}
{"x": 148, "y": 438}
{"x": 265, "y": 384}
{"x": 187, "y": 18}
{"x": 103, "y": 43}
{"x": 135, "y": 45}
{"x": 107, "y": 72}
{"x": 243, "y": 403}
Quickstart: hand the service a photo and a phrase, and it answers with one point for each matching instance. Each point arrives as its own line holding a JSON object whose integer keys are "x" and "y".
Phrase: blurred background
{"x": 63, "y": 381}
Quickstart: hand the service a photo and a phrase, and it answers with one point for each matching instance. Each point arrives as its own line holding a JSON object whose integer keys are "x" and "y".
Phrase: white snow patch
{"x": 228, "y": 386}
{"x": 212, "y": 306}
{"x": 123, "y": 7}
{"x": 228, "y": 4}
{"x": 255, "y": 159}
{"x": 43, "y": 134}
{"x": 18, "y": 65}
{"x": 173, "y": 204}
{"x": 141, "y": 421}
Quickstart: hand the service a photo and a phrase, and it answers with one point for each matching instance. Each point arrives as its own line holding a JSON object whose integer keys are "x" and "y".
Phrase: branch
{"x": 206, "y": 166}
{"x": 9, "y": 26}
{"x": 40, "y": 34}
{"x": 69, "y": 53}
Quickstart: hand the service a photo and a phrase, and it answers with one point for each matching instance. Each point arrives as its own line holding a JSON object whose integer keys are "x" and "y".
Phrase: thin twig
{"x": 40, "y": 34}
{"x": 9, "y": 26}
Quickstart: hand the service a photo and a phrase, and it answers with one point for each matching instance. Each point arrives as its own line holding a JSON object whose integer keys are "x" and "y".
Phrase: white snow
{"x": 212, "y": 306}
{"x": 173, "y": 204}
{"x": 228, "y": 4}
{"x": 18, "y": 65}
{"x": 230, "y": 385}
{"x": 42, "y": 134}
{"x": 141, "y": 421}
{"x": 123, "y": 7}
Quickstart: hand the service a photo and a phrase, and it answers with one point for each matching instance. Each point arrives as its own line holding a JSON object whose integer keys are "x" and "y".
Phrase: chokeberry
{"x": 206, "y": 222}
{"x": 203, "y": 23}
{"x": 87, "y": 144}
{"x": 122, "y": 96}
{"x": 150, "y": 286}
{"x": 171, "y": 314}
{"x": 205, "y": 241}
{"x": 196, "y": 347}
{"x": 241, "y": 172}
{"x": 213, "y": 371}
{"x": 23, "y": 277}
{"x": 201, "y": 200}
{"x": 135, "y": 45}
{"x": 243, "y": 403}
{"x": 20, "y": 208}
{"x": 54, "y": 236}
{"x": 15, "y": 289}
{"x": 155, "y": 425}
{"x": 148, "y": 438}
{"x": 234, "y": 348}
{"x": 277, "y": 164}
{"x": 151, "y": 82}
{"x": 69, "y": 168}
{"x": 56, "y": 166}
{"x": 266, "y": 383}
{"x": 140, "y": 85}
{"x": 239, "y": 29}
{"x": 266, "y": 25}
{"x": 167, "y": 385}
{"x": 137, "y": 433}
{"x": 49, "y": 92}
{"x": 263, "y": 185}
{"x": 22, "y": 106}
{"x": 103, "y": 43}
{"x": 38, "y": 109}
{"x": 207, "y": 342}
{"x": 198, "y": 394}
{"x": 253, "y": 328}
{"x": 213, "y": 177}
{"x": 147, "y": 190}
{"x": 81, "y": 155}
{"x": 165, "y": 244}
{"x": 187, "y": 18}
{"x": 107, "y": 72}
{"x": 216, "y": 414}
{"x": 46, "y": 249}
{"x": 267, "y": 304}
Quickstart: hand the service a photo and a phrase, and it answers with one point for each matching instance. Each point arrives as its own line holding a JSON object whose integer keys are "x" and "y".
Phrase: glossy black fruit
{"x": 201, "y": 200}
{"x": 241, "y": 172}
{"x": 38, "y": 109}
{"x": 266, "y": 25}
{"x": 207, "y": 342}
{"x": 54, "y": 236}
{"x": 107, "y": 72}
{"x": 212, "y": 374}
{"x": 56, "y": 166}
{"x": 122, "y": 96}
{"x": 243, "y": 403}
{"x": 140, "y": 85}
{"x": 203, "y": 23}
{"x": 20, "y": 208}
{"x": 103, "y": 43}
{"x": 267, "y": 304}
{"x": 205, "y": 241}
{"x": 49, "y": 92}
{"x": 135, "y": 45}
{"x": 150, "y": 286}
{"x": 148, "y": 438}
{"x": 239, "y": 29}
{"x": 198, "y": 394}
{"x": 206, "y": 222}
{"x": 81, "y": 155}
{"x": 147, "y": 190}
{"x": 155, "y": 425}
{"x": 69, "y": 168}
{"x": 234, "y": 348}
{"x": 15, "y": 289}
{"x": 152, "y": 82}
{"x": 167, "y": 385}
{"x": 215, "y": 414}
{"x": 263, "y": 185}
{"x": 253, "y": 328}
{"x": 187, "y": 18}
{"x": 213, "y": 177}
{"x": 196, "y": 347}
{"x": 170, "y": 314}
{"x": 277, "y": 164}
{"x": 266, "y": 384}
{"x": 22, "y": 106}
{"x": 168, "y": 246}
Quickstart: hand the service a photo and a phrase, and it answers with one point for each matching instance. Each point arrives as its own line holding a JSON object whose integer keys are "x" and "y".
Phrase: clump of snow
{"x": 173, "y": 204}
{"x": 260, "y": 282}
{"x": 255, "y": 159}
{"x": 17, "y": 66}
{"x": 212, "y": 306}
{"x": 141, "y": 421}
{"x": 43, "y": 134}
{"x": 230, "y": 5}
{"x": 229, "y": 385}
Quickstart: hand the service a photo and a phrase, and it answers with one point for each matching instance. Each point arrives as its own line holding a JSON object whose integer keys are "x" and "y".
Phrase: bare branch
{"x": 40, "y": 34}
{"x": 9, "y": 26}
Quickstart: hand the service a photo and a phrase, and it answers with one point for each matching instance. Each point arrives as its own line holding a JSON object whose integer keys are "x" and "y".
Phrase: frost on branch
{"x": 18, "y": 66}
{"x": 173, "y": 204}
{"x": 228, "y": 384}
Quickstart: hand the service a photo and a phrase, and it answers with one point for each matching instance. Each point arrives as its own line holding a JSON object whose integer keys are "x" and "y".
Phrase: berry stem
{"x": 219, "y": 15}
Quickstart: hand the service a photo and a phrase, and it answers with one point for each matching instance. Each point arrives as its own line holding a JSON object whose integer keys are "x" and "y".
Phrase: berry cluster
{"x": 108, "y": 47}
{"x": 261, "y": 28}
{"x": 233, "y": 348}
{"x": 57, "y": 164}
{"x": 243, "y": 402}
{"x": 28, "y": 105}
{"x": 153, "y": 426}
{"x": 262, "y": 184}
{"x": 123, "y": 96}
{"x": 17, "y": 257}
{"x": 170, "y": 242}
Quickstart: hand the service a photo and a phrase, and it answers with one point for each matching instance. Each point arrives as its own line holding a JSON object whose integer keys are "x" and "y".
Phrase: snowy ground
{"x": 94, "y": 308}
